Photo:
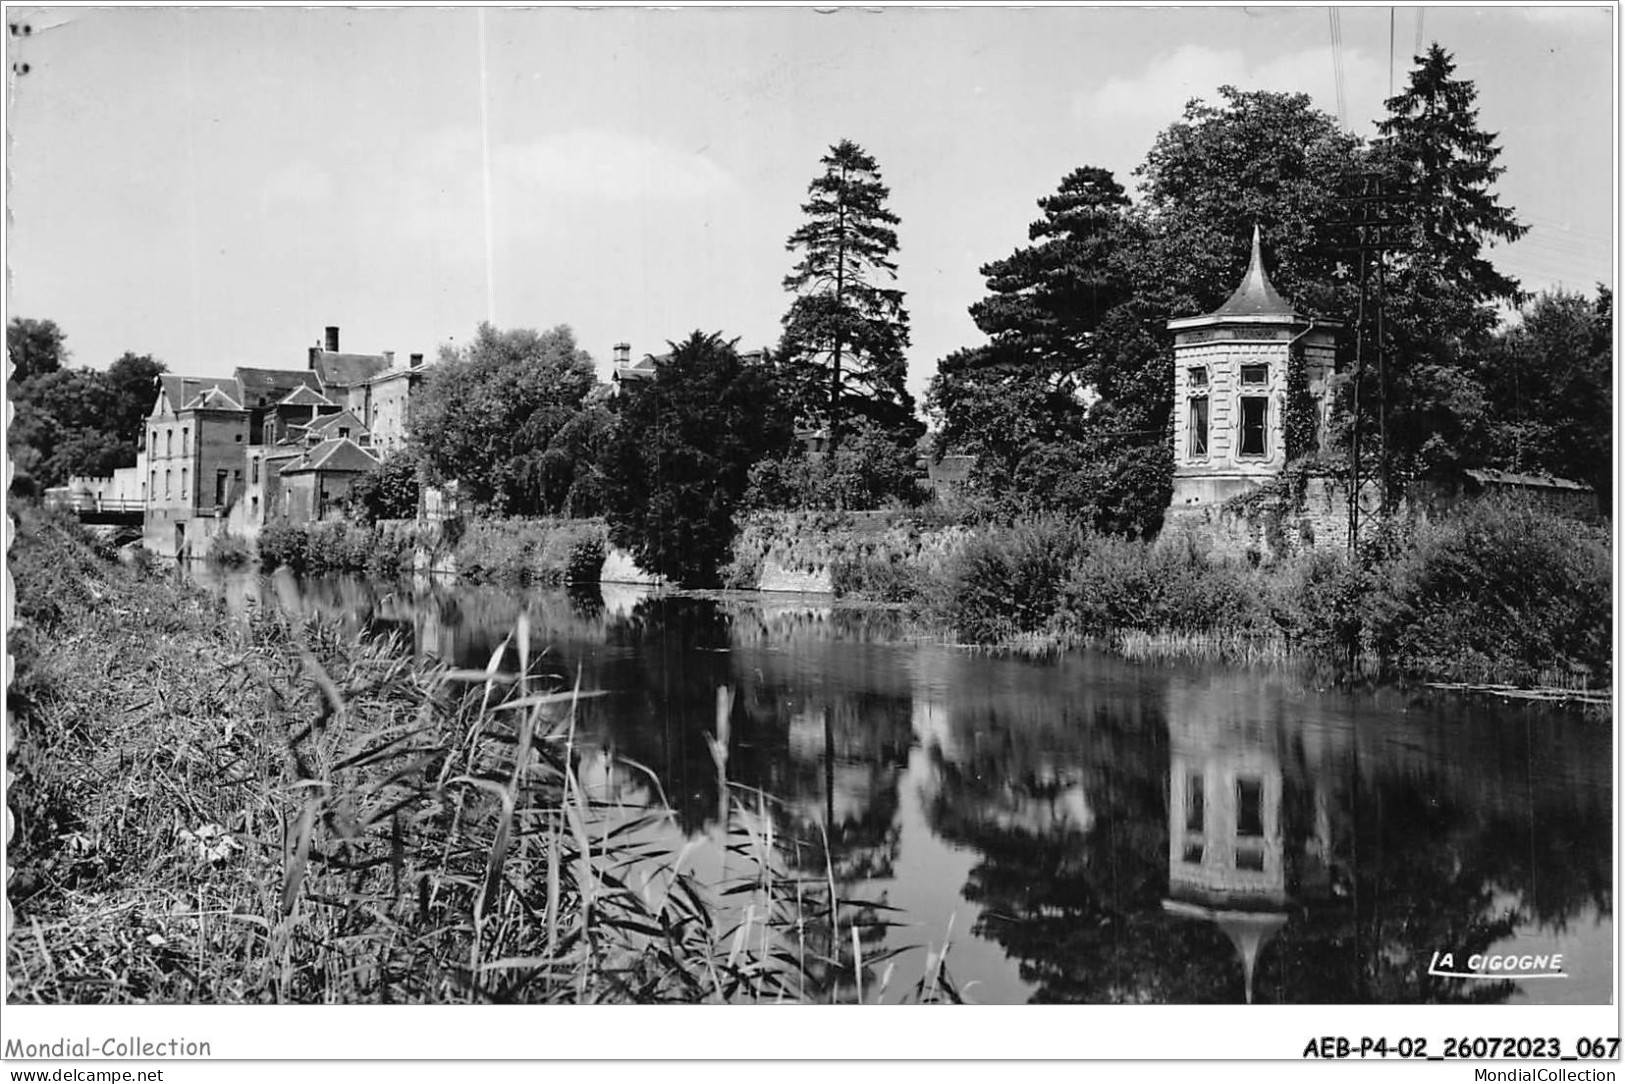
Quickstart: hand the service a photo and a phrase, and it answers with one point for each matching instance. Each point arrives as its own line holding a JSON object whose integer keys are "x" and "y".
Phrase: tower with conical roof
{"x": 1232, "y": 371}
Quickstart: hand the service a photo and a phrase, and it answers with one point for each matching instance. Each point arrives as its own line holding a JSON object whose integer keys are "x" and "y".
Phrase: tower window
{"x": 1249, "y": 807}
{"x": 1195, "y": 811}
{"x": 1198, "y": 425}
{"x": 1254, "y": 425}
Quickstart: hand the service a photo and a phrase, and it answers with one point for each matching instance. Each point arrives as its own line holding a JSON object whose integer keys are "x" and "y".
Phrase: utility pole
{"x": 1374, "y": 226}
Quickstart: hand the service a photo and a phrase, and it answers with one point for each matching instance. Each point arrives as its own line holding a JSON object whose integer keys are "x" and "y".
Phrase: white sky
{"x": 215, "y": 186}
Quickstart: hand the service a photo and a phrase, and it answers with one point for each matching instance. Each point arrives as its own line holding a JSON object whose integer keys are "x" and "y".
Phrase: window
{"x": 186, "y": 489}
{"x": 169, "y": 442}
{"x": 166, "y": 482}
{"x": 1198, "y": 425}
{"x": 254, "y": 472}
{"x": 186, "y": 434}
{"x": 238, "y": 438}
{"x": 1195, "y": 812}
{"x": 1198, "y": 376}
{"x": 344, "y": 432}
{"x": 152, "y": 447}
{"x": 152, "y": 487}
{"x": 1255, "y": 374}
{"x": 254, "y": 507}
{"x": 1249, "y": 807}
{"x": 1254, "y": 425}
{"x": 219, "y": 487}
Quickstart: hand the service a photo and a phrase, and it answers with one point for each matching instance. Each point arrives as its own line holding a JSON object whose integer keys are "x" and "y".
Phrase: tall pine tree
{"x": 846, "y": 331}
{"x": 1440, "y": 291}
{"x": 1019, "y": 402}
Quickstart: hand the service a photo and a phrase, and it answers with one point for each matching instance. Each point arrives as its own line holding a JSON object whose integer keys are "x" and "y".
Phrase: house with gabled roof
{"x": 216, "y": 448}
{"x": 344, "y": 426}
{"x": 315, "y": 484}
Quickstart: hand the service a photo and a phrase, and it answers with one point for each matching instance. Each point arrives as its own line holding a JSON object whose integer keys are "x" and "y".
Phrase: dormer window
{"x": 344, "y": 432}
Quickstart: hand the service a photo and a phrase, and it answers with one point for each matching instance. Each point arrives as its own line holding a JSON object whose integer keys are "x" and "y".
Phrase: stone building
{"x": 231, "y": 454}
{"x": 1232, "y": 371}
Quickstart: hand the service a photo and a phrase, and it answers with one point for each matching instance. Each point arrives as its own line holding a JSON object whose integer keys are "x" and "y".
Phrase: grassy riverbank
{"x": 212, "y": 811}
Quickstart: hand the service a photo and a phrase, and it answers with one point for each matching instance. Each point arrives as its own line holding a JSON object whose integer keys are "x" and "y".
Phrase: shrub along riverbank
{"x": 517, "y": 551}
{"x": 1498, "y": 593}
{"x": 214, "y": 811}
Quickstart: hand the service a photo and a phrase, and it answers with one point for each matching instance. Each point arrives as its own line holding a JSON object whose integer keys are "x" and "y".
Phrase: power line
{"x": 1335, "y": 22}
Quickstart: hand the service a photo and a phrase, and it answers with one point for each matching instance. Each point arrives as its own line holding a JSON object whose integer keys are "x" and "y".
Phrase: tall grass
{"x": 214, "y": 812}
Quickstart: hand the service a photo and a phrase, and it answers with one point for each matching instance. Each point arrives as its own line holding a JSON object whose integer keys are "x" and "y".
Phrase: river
{"x": 1083, "y": 828}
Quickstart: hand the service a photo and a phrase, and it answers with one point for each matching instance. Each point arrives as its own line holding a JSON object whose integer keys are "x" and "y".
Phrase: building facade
{"x": 1232, "y": 369}
{"x": 233, "y": 454}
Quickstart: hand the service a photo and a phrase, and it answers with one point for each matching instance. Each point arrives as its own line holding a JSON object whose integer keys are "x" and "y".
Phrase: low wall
{"x": 777, "y": 577}
{"x": 1284, "y": 518}
{"x": 619, "y": 567}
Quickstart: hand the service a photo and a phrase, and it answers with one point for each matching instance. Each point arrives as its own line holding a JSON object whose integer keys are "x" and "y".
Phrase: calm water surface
{"x": 1086, "y": 829}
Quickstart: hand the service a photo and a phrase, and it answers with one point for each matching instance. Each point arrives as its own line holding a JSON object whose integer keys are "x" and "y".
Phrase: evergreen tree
{"x": 679, "y": 457}
{"x": 1031, "y": 387}
{"x": 846, "y": 331}
{"x": 1439, "y": 290}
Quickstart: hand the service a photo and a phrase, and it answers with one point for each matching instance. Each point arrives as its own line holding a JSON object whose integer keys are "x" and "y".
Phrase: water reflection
{"x": 1087, "y": 830}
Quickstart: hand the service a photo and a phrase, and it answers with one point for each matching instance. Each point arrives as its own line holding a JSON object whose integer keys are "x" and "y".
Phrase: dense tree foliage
{"x": 678, "y": 460}
{"x": 1068, "y": 404}
{"x": 34, "y": 347}
{"x": 1548, "y": 380}
{"x": 846, "y": 331}
{"x": 390, "y": 490}
{"x": 869, "y": 470}
{"x": 73, "y": 421}
{"x": 490, "y": 412}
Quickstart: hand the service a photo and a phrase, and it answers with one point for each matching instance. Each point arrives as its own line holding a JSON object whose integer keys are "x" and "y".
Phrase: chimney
{"x": 415, "y": 361}
{"x": 389, "y": 358}
{"x": 332, "y": 340}
{"x": 623, "y": 355}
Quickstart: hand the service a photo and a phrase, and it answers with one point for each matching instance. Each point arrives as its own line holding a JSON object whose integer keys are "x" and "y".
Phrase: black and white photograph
{"x": 994, "y": 509}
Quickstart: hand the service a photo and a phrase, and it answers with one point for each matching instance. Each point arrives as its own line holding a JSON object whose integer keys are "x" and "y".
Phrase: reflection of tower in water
{"x": 1231, "y": 859}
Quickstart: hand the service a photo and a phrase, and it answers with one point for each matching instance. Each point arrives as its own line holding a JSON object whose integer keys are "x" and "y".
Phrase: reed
{"x": 1244, "y": 646}
{"x": 212, "y": 811}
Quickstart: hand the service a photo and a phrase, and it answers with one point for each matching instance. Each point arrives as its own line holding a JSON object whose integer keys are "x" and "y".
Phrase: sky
{"x": 214, "y": 187}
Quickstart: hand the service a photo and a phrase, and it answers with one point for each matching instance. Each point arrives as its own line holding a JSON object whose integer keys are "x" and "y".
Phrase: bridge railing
{"x": 90, "y": 502}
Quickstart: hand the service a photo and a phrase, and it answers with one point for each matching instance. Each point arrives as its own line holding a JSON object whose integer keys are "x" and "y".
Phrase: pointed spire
{"x": 1255, "y": 296}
